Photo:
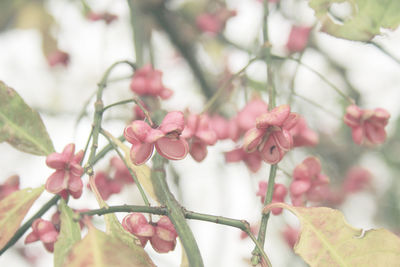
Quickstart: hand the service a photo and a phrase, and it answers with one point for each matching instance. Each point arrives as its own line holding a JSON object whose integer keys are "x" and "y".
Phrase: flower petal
{"x": 252, "y": 139}
{"x": 141, "y": 152}
{"x": 174, "y": 121}
{"x": 171, "y": 148}
{"x": 271, "y": 153}
{"x": 375, "y": 134}
{"x": 313, "y": 165}
{"x": 275, "y": 117}
{"x": 57, "y": 182}
{"x": 283, "y": 139}
{"x": 136, "y": 131}
{"x": 198, "y": 151}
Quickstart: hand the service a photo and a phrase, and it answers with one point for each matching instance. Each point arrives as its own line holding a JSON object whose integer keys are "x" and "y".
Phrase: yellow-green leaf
{"x": 13, "y": 209}
{"x": 98, "y": 249}
{"x": 326, "y": 239}
{"x": 367, "y": 19}
{"x": 20, "y": 125}
{"x": 70, "y": 233}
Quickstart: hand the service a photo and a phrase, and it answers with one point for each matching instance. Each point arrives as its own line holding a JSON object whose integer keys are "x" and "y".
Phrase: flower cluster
{"x": 162, "y": 235}
{"x": 67, "y": 177}
{"x": 308, "y": 182}
{"x": 271, "y": 136}
{"x": 278, "y": 195}
{"x": 9, "y": 186}
{"x": 44, "y": 231}
{"x": 166, "y": 138}
{"x": 147, "y": 81}
{"x": 367, "y": 126}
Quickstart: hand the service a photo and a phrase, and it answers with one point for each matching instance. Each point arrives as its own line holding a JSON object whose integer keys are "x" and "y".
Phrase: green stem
{"x": 142, "y": 193}
{"x": 21, "y": 231}
{"x": 175, "y": 212}
{"x": 318, "y": 106}
{"x": 240, "y": 224}
{"x": 137, "y": 31}
{"x": 267, "y": 58}
{"x": 98, "y": 115}
{"x": 122, "y": 102}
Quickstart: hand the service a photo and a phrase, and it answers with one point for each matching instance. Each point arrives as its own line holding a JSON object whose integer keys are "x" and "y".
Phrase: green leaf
{"x": 367, "y": 19}
{"x": 70, "y": 233}
{"x": 98, "y": 249}
{"x": 13, "y": 209}
{"x": 326, "y": 239}
{"x": 20, "y": 125}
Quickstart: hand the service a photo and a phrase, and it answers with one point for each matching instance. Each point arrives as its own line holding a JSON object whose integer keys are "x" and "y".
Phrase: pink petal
{"x": 235, "y": 155}
{"x": 75, "y": 183}
{"x": 162, "y": 246}
{"x": 32, "y": 237}
{"x": 78, "y": 157}
{"x": 171, "y": 148}
{"x": 220, "y": 126}
{"x": 252, "y": 139}
{"x": 283, "y": 139}
{"x": 49, "y": 237}
{"x": 57, "y": 182}
{"x": 291, "y": 121}
{"x": 76, "y": 169}
{"x": 298, "y": 38}
{"x": 207, "y": 136}
{"x": 313, "y": 165}
{"x": 253, "y": 161}
{"x": 301, "y": 172}
{"x": 153, "y": 135}
{"x": 299, "y": 187}
{"x": 198, "y": 151}
{"x": 141, "y": 152}
{"x": 56, "y": 161}
{"x": 137, "y": 131}
{"x": 275, "y": 117}
{"x": 174, "y": 121}
{"x": 247, "y": 116}
{"x": 271, "y": 153}
{"x": 139, "y": 85}
{"x": 376, "y": 135}
{"x": 357, "y": 134}
{"x": 166, "y": 93}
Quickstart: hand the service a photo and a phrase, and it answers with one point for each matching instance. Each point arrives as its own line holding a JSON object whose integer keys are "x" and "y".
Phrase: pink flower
{"x": 9, "y": 186}
{"x": 44, "y": 231}
{"x": 302, "y": 135}
{"x": 252, "y": 160}
{"x": 298, "y": 38}
{"x": 121, "y": 172}
{"x": 279, "y": 194}
{"x": 147, "y": 81}
{"x": 137, "y": 224}
{"x": 166, "y": 138}
{"x": 164, "y": 238}
{"x": 367, "y": 126}
{"x": 357, "y": 179}
{"x": 308, "y": 182}
{"x": 271, "y": 136}
{"x": 200, "y": 134}
{"x": 66, "y": 179}
{"x": 58, "y": 57}
{"x": 106, "y": 185}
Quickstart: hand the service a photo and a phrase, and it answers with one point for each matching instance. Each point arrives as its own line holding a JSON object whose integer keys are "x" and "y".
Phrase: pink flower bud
{"x": 43, "y": 230}
{"x": 298, "y": 38}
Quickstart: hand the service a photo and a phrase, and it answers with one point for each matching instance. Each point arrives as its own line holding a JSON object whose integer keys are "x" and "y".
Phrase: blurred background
{"x": 53, "y": 53}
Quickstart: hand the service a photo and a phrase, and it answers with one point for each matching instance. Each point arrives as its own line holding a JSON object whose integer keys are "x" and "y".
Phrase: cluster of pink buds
{"x": 214, "y": 23}
{"x": 67, "y": 177}
{"x": 271, "y": 136}
{"x": 162, "y": 235}
{"x": 278, "y": 195}
{"x": 308, "y": 182}
{"x": 105, "y": 16}
{"x": 199, "y": 133}
{"x": 44, "y": 231}
{"x": 298, "y": 39}
{"x": 107, "y": 185}
{"x": 58, "y": 57}
{"x": 9, "y": 186}
{"x": 147, "y": 81}
{"x": 367, "y": 126}
{"x": 166, "y": 138}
